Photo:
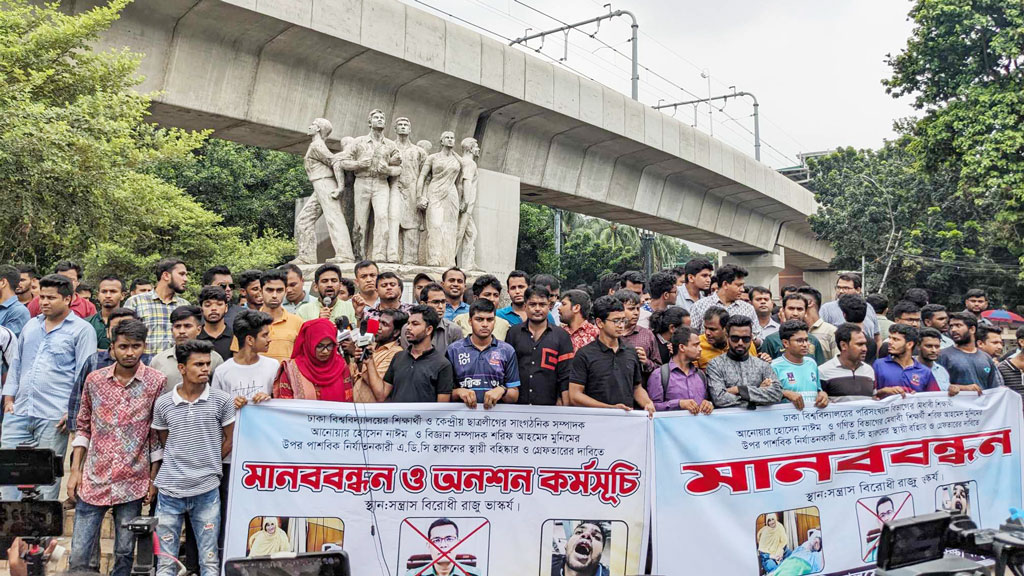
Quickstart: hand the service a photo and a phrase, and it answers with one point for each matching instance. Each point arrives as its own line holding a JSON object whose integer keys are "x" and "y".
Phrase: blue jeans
{"x": 38, "y": 432}
{"x": 86, "y": 535}
{"x": 204, "y": 514}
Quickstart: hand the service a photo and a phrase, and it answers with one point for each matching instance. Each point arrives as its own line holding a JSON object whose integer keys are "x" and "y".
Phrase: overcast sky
{"x": 815, "y": 65}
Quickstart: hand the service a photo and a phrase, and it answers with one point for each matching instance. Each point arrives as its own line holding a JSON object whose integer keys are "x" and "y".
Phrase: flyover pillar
{"x": 763, "y": 268}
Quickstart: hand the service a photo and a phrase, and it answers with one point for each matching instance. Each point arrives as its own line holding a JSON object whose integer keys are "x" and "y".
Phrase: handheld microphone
{"x": 344, "y": 329}
{"x": 365, "y": 341}
{"x": 327, "y": 301}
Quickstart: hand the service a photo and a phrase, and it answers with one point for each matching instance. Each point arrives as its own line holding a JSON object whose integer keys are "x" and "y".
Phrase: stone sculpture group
{"x": 408, "y": 206}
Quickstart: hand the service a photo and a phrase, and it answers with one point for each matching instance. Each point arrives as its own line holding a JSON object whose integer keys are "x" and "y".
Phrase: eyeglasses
{"x": 325, "y": 347}
{"x": 444, "y": 540}
{"x": 226, "y": 286}
{"x": 744, "y": 339}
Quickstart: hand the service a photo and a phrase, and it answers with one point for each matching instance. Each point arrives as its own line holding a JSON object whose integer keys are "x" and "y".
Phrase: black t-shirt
{"x": 222, "y": 343}
{"x": 544, "y": 364}
{"x": 419, "y": 379}
{"x": 607, "y": 376}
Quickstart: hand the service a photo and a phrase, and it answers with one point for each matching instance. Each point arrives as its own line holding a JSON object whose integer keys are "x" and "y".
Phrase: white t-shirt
{"x": 245, "y": 380}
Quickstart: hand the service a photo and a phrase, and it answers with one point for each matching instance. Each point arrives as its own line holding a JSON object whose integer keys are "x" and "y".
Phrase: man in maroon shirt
{"x": 80, "y": 306}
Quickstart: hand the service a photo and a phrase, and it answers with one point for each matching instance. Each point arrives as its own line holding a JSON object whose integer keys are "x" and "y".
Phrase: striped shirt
{"x": 157, "y": 315}
{"x": 1012, "y": 376}
{"x": 192, "y": 453}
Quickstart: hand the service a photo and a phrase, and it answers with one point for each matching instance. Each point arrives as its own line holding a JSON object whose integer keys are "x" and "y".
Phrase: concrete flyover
{"x": 257, "y": 72}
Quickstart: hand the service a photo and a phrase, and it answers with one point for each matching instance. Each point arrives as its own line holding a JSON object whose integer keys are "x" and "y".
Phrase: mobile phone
{"x": 29, "y": 466}
{"x": 334, "y": 563}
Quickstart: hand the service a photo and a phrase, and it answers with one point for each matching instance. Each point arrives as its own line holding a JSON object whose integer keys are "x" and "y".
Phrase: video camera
{"x": 916, "y": 546}
{"x": 33, "y": 520}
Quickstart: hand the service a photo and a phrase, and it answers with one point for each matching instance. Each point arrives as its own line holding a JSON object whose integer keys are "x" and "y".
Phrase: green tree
{"x": 964, "y": 67}
{"x": 910, "y": 225}
{"x": 252, "y": 188}
{"x": 535, "y": 253}
{"x": 76, "y": 153}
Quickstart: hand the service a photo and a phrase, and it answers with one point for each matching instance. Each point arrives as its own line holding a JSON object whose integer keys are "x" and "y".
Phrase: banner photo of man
{"x": 814, "y": 486}
{"x": 425, "y": 489}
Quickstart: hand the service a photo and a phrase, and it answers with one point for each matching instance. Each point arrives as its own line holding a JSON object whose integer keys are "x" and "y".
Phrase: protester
{"x": 330, "y": 304}
{"x": 855, "y": 311}
{"x": 738, "y": 377}
{"x": 679, "y": 384}
{"x": 13, "y": 314}
{"x": 52, "y": 350}
{"x": 245, "y": 377}
{"x": 112, "y": 450}
{"x": 969, "y": 368}
{"x": 487, "y": 287}
{"x": 664, "y": 323}
{"x": 899, "y": 372}
{"x": 797, "y": 374}
{"x": 820, "y": 329}
{"x": 715, "y": 340}
{"x": 385, "y": 346}
{"x": 252, "y": 289}
{"x": 446, "y": 333}
{"x": 315, "y": 370}
{"x": 574, "y": 311}
{"x": 366, "y": 286}
{"x": 731, "y": 281}
{"x": 794, "y": 307}
{"x": 663, "y": 295}
{"x": 936, "y": 316}
{"x": 80, "y": 306}
{"x": 99, "y": 360}
{"x": 881, "y": 306}
{"x": 554, "y": 288}
{"x": 905, "y": 313}
{"x": 418, "y": 283}
{"x": 848, "y": 375}
{"x": 186, "y": 324}
{"x": 608, "y": 284}
{"x": 194, "y": 423}
{"x": 831, "y": 312}
{"x": 154, "y": 308}
{"x": 931, "y": 347}
{"x": 516, "y": 285}
{"x": 640, "y": 338}
{"x": 111, "y": 294}
{"x": 213, "y": 302}
{"x": 486, "y": 370}
{"x": 295, "y": 294}
{"x": 454, "y": 282}
{"x": 975, "y": 302}
{"x": 221, "y": 276}
{"x": 761, "y": 300}
{"x": 28, "y": 284}
{"x": 1012, "y": 368}
{"x": 285, "y": 328}
{"x": 544, "y": 353}
{"x": 139, "y": 286}
{"x": 607, "y": 373}
{"x": 347, "y": 289}
{"x": 389, "y": 296}
{"x": 697, "y": 283}
{"x": 421, "y": 373}
{"x": 990, "y": 341}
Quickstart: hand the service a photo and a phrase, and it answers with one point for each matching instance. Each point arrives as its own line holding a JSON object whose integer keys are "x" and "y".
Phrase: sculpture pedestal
{"x": 497, "y": 224}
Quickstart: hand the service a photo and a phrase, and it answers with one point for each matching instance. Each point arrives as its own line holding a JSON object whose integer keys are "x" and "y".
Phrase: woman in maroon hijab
{"x": 315, "y": 371}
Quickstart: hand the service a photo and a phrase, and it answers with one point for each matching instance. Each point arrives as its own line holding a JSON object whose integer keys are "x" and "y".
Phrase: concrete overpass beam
{"x": 764, "y": 268}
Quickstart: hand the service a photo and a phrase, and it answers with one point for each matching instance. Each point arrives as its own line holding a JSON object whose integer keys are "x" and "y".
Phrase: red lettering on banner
{"x": 356, "y": 479}
{"x": 477, "y": 479}
{"x": 708, "y": 477}
{"x": 414, "y": 479}
{"x": 620, "y": 479}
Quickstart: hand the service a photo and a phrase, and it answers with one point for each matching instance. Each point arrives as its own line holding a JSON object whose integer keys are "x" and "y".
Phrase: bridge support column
{"x": 824, "y": 281}
{"x": 763, "y": 268}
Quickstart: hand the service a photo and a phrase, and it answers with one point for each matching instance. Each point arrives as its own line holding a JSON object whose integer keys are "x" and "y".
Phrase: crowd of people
{"x": 145, "y": 386}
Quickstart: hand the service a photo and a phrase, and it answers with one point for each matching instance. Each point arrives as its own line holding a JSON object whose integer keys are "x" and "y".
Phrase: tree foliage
{"x": 76, "y": 154}
{"x": 964, "y": 67}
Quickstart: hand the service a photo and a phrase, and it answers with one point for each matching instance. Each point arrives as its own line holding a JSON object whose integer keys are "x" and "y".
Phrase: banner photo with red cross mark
{"x": 782, "y": 492}
{"x": 427, "y": 489}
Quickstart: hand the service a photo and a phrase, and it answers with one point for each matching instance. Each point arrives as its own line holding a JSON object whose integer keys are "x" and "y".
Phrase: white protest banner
{"x": 416, "y": 489}
{"x": 781, "y": 492}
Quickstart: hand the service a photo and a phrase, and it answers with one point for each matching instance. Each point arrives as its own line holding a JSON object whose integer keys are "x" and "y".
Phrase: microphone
{"x": 327, "y": 301}
{"x": 365, "y": 341}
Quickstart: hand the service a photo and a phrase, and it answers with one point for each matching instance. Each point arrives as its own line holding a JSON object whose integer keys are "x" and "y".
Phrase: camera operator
{"x": 16, "y": 564}
{"x": 110, "y": 465}
{"x": 379, "y": 352}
